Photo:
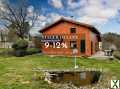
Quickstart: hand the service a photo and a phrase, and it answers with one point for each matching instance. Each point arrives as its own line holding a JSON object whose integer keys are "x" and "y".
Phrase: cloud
{"x": 2, "y": 10}
{"x": 30, "y": 11}
{"x": 54, "y": 16}
{"x": 42, "y": 21}
{"x": 2, "y": 6}
{"x": 94, "y": 11}
{"x": 39, "y": 23}
{"x": 41, "y": 17}
{"x": 75, "y": 4}
{"x": 56, "y": 3}
{"x": 90, "y": 20}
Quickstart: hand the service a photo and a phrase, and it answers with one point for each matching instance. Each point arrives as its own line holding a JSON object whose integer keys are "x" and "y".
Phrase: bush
{"x": 31, "y": 51}
{"x": 20, "y": 53}
{"x": 20, "y": 47}
{"x": 117, "y": 55}
{"x": 6, "y": 52}
{"x": 20, "y": 44}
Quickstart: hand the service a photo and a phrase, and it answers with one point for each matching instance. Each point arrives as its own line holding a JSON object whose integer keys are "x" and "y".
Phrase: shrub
{"x": 31, "y": 51}
{"x": 20, "y": 53}
{"x": 20, "y": 44}
{"x": 117, "y": 55}
{"x": 6, "y": 52}
{"x": 20, "y": 47}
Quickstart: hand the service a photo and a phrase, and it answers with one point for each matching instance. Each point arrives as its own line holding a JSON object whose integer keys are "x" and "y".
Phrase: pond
{"x": 78, "y": 78}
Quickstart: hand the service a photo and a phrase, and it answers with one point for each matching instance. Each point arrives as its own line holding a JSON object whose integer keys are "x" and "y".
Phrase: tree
{"x": 16, "y": 17}
{"x": 1, "y": 36}
{"x": 111, "y": 39}
{"x": 12, "y": 36}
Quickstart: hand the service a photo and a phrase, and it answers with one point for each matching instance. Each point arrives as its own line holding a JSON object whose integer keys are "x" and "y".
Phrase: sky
{"x": 103, "y": 14}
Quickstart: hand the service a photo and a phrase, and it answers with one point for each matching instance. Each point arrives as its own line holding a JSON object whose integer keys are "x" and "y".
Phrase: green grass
{"x": 17, "y": 72}
{"x": 117, "y": 54}
{"x": 3, "y": 49}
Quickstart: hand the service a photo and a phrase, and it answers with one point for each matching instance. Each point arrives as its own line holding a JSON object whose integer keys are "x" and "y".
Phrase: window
{"x": 73, "y": 44}
{"x": 72, "y": 30}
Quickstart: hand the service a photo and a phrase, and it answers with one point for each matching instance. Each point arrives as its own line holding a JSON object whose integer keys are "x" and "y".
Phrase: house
{"x": 68, "y": 37}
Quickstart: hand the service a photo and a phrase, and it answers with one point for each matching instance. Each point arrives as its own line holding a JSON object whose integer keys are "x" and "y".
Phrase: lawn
{"x": 17, "y": 72}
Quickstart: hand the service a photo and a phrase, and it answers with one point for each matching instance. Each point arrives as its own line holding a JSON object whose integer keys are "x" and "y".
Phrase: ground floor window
{"x": 73, "y": 44}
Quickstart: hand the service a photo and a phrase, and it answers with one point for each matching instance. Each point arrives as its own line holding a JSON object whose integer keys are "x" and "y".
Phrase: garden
{"x": 18, "y": 72}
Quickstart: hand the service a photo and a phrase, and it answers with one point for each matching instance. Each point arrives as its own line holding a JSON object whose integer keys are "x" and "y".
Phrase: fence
{"x": 5, "y": 44}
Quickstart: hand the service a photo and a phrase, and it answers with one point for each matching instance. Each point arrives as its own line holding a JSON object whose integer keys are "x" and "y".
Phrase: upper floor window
{"x": 72, "y": 30}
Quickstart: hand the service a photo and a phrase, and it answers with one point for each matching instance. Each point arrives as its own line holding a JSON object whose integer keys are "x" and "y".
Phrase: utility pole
{"x": 75, "y": 51}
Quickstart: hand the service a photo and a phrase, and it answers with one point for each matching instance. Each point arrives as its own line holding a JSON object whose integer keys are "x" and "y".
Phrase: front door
{"x": 91, "y": 47}
{"x": 82, "y": 46}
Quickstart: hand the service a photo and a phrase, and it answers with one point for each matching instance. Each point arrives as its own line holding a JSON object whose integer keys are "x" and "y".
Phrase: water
{"x": 78, "y": 78}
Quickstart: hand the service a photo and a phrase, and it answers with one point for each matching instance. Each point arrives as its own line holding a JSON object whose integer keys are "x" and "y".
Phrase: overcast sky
{"x": 103, "y": 14}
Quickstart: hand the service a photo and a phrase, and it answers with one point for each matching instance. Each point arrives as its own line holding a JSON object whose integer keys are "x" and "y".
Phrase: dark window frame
{"x": 82, "y": 46}
{"x": 74, "y": 44}
{"x": 72, "y": 30}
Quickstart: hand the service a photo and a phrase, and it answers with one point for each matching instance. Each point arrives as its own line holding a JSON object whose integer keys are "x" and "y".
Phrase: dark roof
{"x": 90, "y": 27}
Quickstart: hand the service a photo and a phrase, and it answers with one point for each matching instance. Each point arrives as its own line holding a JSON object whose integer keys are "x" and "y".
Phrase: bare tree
{"x": 16, "y": 16}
